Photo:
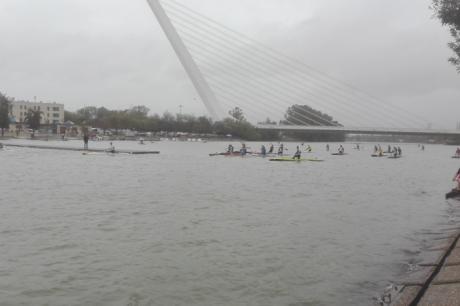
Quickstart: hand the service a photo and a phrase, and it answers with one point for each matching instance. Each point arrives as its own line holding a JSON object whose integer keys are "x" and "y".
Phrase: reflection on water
{"x": 183, "y": 228}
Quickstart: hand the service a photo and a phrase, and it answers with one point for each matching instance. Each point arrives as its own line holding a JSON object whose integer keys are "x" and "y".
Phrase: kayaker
{"x": 327, "y": 147}
{"x": 376, "y": 149}
{"x": 297, "y": 154}
{"x": 263, "y": 151}
{"x": 457, "y": 179}
{"x": 270, "y": 150}
{"x": 399, "y": 151}
{"x": 281, "y": 149}
{"x": 85, "y": 141}
{"x": 230, "y": 148}
{"x": 341, "y": 149}
{"x": 243, "y": 149}
{"x": 457, "y": 152}
{"x": 112, "y": 148}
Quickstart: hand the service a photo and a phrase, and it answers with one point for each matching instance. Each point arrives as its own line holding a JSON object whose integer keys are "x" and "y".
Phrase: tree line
{"x": 138, "y": 118}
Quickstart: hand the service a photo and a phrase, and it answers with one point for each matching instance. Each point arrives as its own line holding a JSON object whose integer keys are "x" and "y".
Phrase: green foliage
{"x": 33, "y": 118}
{"x": 138, "y": 118}
{"x": 237, "y": 114}
{"x": 305, "y": 115}
{"x": 237, "y": 126}
{"x": 69, "y": 116}
{"x": 4, "y": 113}
{"x": 448, "y": 11}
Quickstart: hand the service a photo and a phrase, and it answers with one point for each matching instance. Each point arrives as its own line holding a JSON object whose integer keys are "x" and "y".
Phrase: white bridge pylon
{"x": 229, "y": 69}
{"x": 199, "y": 82}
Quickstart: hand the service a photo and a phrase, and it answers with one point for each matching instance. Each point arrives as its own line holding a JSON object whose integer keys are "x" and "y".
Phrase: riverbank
{"x": 440, "y": 280}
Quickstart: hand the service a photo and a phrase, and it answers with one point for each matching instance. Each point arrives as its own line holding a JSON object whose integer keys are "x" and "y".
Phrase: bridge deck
{"x": 361, "y": 130}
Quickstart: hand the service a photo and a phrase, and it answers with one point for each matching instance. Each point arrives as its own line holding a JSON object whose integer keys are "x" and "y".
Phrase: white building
{"x": 52, "y": 113}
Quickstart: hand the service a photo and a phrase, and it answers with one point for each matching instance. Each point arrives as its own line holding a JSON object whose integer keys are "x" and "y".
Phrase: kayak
{"x": 290, "y": 159}
{"x": 314, "y": 159}
{"x": 97, "y": 153}
{"x": 378, "y": 155}
{"x": 258, "y": 154}
{"x": 227, "y": 154}
{"x": 456, "y": 156}
{"x": 339, "y": 154}
{"x": 395, "y": 157}
{"x": 454, "y": 193}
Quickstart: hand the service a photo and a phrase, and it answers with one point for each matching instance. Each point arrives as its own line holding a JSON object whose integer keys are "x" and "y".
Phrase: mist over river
{"x": 183, "y": 228}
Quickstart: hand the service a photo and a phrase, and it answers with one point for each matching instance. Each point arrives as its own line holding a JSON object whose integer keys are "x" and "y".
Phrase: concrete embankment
{"x": 440, "y": 281}
{"x": 80, "y": 149}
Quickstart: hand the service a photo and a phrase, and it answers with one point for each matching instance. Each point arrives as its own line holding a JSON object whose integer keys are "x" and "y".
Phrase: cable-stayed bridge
{"x": 229, "y": 70}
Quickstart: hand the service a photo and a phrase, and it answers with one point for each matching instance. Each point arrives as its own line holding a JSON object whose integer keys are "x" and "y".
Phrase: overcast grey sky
{"x": 112, "y": 52}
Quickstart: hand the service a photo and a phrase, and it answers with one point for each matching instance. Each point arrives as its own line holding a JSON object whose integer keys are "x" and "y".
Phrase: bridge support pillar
{"x": 200, "y": 83}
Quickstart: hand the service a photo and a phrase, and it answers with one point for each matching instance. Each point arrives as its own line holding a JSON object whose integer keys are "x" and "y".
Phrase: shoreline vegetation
{"x": 234, "y": 126}
{"x": 135, "y": 122}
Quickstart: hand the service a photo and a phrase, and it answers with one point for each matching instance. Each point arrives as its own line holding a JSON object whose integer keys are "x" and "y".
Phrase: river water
{"x": 183, "y": 228}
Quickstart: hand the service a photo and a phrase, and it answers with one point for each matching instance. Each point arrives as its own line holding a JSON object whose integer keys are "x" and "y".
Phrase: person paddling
{"x": 230, "y": 149}
{"x": 281, "y": 149}
{"x": 341, "y": 150}
{"x": 243, "y": 149}
{"x": 297, "y": 154}
{"x": 263, "y": 151}
{"x": 111, "y": 149}
{"x": 85, "y": 141}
